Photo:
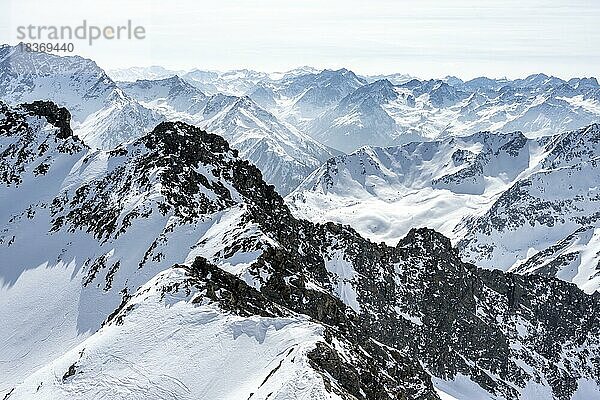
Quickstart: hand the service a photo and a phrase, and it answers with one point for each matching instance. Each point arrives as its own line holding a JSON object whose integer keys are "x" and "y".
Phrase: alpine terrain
{"x": 171, "y": 233}
{"x": 167, "y": 268}
{"x": 508, "y": 202}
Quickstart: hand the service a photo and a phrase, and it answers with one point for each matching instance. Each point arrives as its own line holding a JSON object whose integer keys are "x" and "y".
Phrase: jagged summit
{"x": 180, "y": 138}
{"x": 427, "y": 238}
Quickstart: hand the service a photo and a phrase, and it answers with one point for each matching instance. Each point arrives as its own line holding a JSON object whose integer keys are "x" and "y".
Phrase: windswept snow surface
{"x": 169, "y": 348}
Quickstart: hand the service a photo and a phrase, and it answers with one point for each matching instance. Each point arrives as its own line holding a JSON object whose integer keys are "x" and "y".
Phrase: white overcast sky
{"x": 426, "y": 38}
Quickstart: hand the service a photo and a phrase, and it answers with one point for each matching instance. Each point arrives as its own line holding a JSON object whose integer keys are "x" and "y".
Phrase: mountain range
{"x": 284, "y": 154}
{"x": 508, "y": 202}
{"x": 170, "y": 269}
{"x": 346, "y": 111}
{"x": 298, "y": 119}
{"x": 309, "y": 234}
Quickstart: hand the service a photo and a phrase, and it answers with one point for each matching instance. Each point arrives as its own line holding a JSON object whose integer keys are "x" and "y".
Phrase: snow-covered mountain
{"x": 106, "y": 114}
{"x": 359, "y": 118}
{"x": 103, "y": 116}
{"x": 133, "y": 74}
{"x": 298, "y": 98}
{"x": 233, "y": 83}
{"x": 396, "y": 79}
{"x": 170, "y": 96}
{"x": 283, "y": 153}
{"x": 546, "y": 221}
{"x": 513, "y": 203}
{"x": 382, "y": 113}
{"x": 343, "y": 110}
{"x": 167, "y": 268}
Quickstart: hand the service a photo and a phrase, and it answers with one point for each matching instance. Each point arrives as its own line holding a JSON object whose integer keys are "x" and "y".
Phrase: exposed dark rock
{"x": 57, "y": 116}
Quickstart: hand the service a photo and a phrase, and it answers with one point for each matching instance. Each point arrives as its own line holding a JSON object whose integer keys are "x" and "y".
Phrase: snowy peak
{"x": 396, "y": 79}
{"x": 584, "y": 83}
{"x": 539, "y": 81}
{"x": 440, "y": 93}
{"x": 170, "y": 95}
{"x": 573, "y": 147}
{"x": 235, "y": 83}
{"x": 167, "y": 87}
{"x": 483, "y": 83}
{"x": 284, "y": 154}
{"x": 381, "y": 91}
{"x": 30, "y": 76}
{"x": 315, "y": 92}
{"x": 103, "y": 115}
{"x": 304, "y": 70}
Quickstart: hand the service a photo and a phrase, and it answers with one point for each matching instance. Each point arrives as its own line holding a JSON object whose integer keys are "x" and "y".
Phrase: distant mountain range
{"x": 346, "y": 111}
{"x": 291, "y": 122}
{"x": 105, "y": 115}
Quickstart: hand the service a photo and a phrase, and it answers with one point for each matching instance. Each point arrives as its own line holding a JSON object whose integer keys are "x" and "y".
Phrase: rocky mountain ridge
{"x": 175, "y": 228}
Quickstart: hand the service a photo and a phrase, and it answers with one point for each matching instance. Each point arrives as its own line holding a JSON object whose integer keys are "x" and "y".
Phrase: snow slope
{"x": 105, "y": 197}
{"x": 536, "y": 221}
{"x": 171, "y": 346}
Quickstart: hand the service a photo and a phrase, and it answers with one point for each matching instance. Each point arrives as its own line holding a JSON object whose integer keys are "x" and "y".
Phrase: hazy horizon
{"x": 427, "y": 39}
{"x": 358, "y": 73}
